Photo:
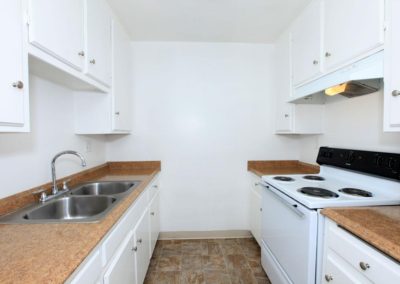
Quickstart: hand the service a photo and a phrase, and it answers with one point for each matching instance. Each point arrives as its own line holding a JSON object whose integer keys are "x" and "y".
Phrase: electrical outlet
{"x": 88, "y": 147}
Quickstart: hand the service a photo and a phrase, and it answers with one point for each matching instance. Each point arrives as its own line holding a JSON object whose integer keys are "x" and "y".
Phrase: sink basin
{"x": 71, "y": 208}
{"x": 103, "y": 188}
{"x": 86, "y": 203}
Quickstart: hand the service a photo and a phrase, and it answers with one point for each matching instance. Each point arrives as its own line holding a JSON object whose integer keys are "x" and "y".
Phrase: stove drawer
{"x": 363, "y": 258}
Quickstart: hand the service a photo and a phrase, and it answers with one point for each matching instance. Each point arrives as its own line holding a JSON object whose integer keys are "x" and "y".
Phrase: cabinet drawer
{"x": 362, "y": 257}
{"x": 122, "y": 228}
{"x": 153, "y": 188}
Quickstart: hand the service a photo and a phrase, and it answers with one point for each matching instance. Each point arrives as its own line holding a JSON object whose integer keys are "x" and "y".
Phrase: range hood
{"x": 360, "y": 78}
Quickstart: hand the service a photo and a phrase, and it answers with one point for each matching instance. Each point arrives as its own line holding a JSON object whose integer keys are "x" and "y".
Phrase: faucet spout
{"x": 53, "y": 166}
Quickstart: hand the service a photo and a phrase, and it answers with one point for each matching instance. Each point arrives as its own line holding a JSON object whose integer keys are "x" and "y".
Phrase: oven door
{"x": 289, "y": 232}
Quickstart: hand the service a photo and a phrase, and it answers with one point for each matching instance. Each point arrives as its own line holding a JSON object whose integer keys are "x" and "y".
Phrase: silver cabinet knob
{"x": 139, "y": 241}
{"x": 286, "y": 115}
{"x": 364, "y": 266}
{"x": 155, "y": 186}
{"x": 93, "y": 61}
{"x": 117, "y": 113}
{"x": 134, "y": 249}
{"x": 396, "y": 93}
{"x": 81, "y": 53}
{"x": 315, "y": 62}
{"x": 328, "y": 54}
{"x": 18, "y": 85}
{"x": 328, "y": 277}
{"x": 260, "y": 209}
{"x": 152, "y": 213}
{"x": 256, "y": 184}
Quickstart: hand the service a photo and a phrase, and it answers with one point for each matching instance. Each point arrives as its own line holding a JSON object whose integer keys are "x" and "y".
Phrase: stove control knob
{"x": 391, "y": 163}
{"x": 328, "y": 277}
{"x": 379, "y": 161}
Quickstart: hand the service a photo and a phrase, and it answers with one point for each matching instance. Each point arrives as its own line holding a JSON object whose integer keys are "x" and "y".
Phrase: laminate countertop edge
{"x": 378, "y": 226}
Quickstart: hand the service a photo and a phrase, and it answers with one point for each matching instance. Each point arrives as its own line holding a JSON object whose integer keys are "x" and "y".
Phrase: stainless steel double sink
{"x": 86, "y": 203}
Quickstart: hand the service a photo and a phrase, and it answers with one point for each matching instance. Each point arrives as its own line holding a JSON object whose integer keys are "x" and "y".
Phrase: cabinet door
{"x": 122, "y": 267}
{"x": 13, "y": 93}
{"x": 337, "y": 270}
{"x": 255, "y": 215}
{"x": 392, "y": 71}
{"x": 121, "y": 87}
{"x": 142, "y": 245}
{"x": 57, "y": 27}
{"x": 307, "y": 44}
{"x": 352, "y": 28}
{"x": 98, "y": 41}
{"x": 154, "y": 221}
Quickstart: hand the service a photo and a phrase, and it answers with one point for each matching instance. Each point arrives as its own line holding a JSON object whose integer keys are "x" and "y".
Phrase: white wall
{"x": 204, "y": 110}
{"x": 25, "y": 157}
{"x": 352, "y": 123}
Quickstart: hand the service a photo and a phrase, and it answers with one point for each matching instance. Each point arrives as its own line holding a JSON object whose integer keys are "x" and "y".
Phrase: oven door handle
{"x": 292, "y": 207}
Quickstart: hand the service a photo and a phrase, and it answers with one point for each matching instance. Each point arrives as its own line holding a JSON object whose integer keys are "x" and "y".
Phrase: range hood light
{"x": 335, "y": 90}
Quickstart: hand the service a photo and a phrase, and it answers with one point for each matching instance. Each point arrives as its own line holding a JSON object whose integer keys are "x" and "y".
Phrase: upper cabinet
{"x": 291, "y": 118}
{"x": 307, "y": 43}
{"x": 392, "y": 70}
{"x": 57, "y": 27}
{"x": 14, "y": 95}
{"x": 109, "y": 113}
{"x": 121, "y": 91}
{"x": 98, "y": 41}
{"x": 352, "y": 29}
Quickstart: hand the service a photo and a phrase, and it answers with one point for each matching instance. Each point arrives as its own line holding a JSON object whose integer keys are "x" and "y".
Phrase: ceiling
{"x": 256, "y": 21}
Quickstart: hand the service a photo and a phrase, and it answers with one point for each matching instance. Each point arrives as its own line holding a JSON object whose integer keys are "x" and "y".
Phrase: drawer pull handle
{"x": 155, "y": 186}
{"x": 328, "y": 277}
{"x": 140, "y": 241}
{"x": 134, "y": 249}
{"x": 152, "y": 214}
{"x": 396, "y": 93}
{"x": 364, "y": 266}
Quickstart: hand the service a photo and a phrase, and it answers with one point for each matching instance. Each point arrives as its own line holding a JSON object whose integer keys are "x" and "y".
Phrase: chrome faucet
{"x": 53, "y": 167}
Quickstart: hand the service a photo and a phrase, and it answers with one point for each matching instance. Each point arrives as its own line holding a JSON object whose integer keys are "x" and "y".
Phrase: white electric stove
{"x": 292, "y": 225}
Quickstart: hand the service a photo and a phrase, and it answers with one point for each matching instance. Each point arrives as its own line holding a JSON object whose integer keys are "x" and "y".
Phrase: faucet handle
{"x": 65, "y": 184}
{"x": 40, "y": 194}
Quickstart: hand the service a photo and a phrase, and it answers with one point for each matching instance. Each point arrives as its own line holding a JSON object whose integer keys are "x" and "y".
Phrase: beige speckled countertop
{"x": 49, "y": 253}
{"x": 378, "y": 226}
{"x": 281, "y": 167}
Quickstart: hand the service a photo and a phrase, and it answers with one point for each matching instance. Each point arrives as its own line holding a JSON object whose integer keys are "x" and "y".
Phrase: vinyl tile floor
{"x": 214, "y": 261}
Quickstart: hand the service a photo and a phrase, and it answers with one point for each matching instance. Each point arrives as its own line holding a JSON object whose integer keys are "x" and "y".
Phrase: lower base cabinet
{"x": 255, "y": 208}
{"x": 348, "y": 259}
{"x": 123, "y": 256}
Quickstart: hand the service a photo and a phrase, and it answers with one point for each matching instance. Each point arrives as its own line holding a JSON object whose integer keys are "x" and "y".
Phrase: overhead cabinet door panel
{"x": 352, "y": 28}
{"x": 57, "y": 27}
{"x": 98, "y": 41}
{"x": 12, "y": 91}
{"x": 306, "y": 44}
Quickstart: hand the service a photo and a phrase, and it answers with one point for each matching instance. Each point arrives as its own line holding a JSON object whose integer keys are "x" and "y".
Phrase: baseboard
{"x": 228, "y": 234}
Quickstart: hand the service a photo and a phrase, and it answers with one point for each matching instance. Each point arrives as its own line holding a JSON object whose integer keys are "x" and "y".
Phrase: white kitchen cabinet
{"x": 98, "y": 40}
{"x": 292, "y": 118}
{"x": 123, "y": 255}
{"x": 347, "y": 259}
{"x": 14, "y": 91}
{"x": 142, "y": 245}
{"x": 307, "y": 43}
{"x": 122, "y": 268}
{"x": 255, "y": 208}
{"x": 154, "y": 221}
{"x": 110, "y": 113}
{"x": 392, "y": 71}
{"x": 352, "y": 30}
{"x": 121, "y": 90}
{"x": 57, "y": 27}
